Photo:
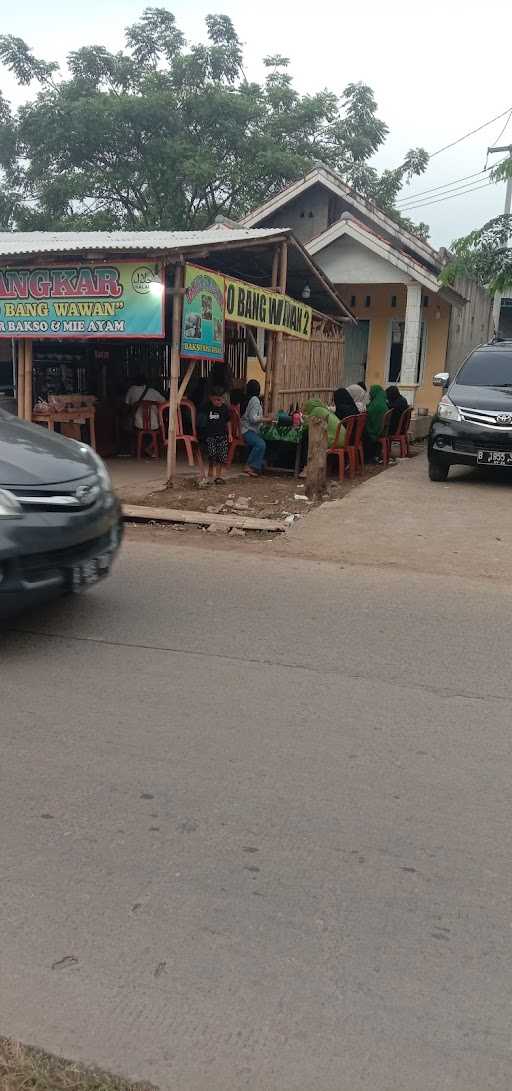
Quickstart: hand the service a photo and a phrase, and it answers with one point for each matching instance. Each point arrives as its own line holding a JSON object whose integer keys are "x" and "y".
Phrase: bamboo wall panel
{"x": 310, "y": 369}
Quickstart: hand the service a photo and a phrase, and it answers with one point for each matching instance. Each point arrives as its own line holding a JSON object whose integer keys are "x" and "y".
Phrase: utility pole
{"x": 496, "y": 309}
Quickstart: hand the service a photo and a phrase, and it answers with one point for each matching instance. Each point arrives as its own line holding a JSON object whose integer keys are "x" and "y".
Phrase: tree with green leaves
{"x": 485, "y": 254}
{"x": 168, "y": 135}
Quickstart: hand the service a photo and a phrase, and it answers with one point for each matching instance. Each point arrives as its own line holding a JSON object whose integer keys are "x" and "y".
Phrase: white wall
{"x": 347, "y": 261}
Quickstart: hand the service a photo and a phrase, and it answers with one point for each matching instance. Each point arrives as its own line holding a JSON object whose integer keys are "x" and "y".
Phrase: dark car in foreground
{"x": 473, "y": 421}
{"x": 60, "y": 523}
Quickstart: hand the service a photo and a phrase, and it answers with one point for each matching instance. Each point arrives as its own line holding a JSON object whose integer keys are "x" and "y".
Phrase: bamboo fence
{"x": 311, "y": 369}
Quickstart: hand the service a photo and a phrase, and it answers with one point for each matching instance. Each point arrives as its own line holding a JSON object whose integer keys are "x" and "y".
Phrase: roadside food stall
{"x": 85, "y": 312}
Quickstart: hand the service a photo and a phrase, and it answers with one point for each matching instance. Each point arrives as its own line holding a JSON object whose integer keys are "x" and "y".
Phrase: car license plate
{"x": 88, "y": 572}
{"x": 494, "y": 458}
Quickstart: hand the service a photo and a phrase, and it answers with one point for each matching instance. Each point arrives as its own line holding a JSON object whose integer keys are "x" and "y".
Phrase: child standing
{"x": 214, "y": 433}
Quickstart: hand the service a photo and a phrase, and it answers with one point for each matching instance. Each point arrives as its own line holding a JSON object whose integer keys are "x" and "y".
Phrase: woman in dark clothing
{"x": 345, "y": 404}
{"x": 398, "y": 404}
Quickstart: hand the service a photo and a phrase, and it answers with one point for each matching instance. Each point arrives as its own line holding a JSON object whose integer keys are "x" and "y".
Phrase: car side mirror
{"x": 441, "y": 379}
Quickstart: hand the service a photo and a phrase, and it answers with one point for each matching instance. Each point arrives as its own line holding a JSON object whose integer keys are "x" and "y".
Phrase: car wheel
{"x": 437, "y": 471}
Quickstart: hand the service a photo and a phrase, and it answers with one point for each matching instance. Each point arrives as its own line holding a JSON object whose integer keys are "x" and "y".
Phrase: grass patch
{"x": 26, "y": 1069}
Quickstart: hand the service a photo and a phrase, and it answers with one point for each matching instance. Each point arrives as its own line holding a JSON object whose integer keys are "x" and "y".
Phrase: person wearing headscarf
{"x": 376, "y": 411}
{"x": 251, "y": 421}
{"x": 345, "y": 404}
{"x": 398, "y": 404}
{"x": 360, "y": 396}
{"x": 316, "y": 408}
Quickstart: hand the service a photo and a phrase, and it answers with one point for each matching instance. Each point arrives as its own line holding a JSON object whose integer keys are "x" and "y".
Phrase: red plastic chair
{"x": 401, "y": 435}
{"x": 383, "y": 439}
{"x": 188, "y": 437}
{"x": 148, "y": 430}
{"x": 354, "y": 449}
{"x": 236, "y": 439}
{"x": 340, "y": 452}
{"x": 163, "y": 411}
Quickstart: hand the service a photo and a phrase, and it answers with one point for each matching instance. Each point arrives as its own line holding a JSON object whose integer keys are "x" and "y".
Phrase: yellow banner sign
{"x": 253, "y": 306}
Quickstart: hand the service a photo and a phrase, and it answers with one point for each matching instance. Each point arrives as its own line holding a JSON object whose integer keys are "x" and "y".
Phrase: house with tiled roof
{"x": 410, "y": 325}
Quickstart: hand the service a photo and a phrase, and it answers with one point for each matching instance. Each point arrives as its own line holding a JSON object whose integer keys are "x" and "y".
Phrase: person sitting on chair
{"x": 398, "y": 404}
{"x": 376, "y": 411}
{"x": 316, "y": 408}
{"x": 345, "y": 405}
{"x": 251, "y": 422}
{"x": 360, "y": 396}
{"x": 140, "y": 392}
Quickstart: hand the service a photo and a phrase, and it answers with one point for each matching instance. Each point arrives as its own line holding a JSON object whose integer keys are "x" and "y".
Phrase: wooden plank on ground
{"x": 201, "y": 518}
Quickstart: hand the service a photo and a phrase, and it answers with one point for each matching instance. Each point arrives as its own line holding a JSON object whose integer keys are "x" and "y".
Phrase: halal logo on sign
{"x": 142, "y": 279}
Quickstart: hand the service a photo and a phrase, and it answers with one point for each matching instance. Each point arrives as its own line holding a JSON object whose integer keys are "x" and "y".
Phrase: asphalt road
{"x": 255, "y": 821}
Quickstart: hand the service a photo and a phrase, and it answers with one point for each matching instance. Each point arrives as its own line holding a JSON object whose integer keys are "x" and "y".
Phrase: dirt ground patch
{"x": 25, "y": 1069}
{"x": 268, "y": 497}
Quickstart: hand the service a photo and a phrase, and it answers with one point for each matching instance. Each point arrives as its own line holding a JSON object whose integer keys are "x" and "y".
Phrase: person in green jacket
{"x": 376, "y": 411}
{"x": 315, "y": 408}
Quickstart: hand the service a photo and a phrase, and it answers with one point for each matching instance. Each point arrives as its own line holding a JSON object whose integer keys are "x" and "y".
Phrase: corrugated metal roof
{"x": 68, "y": 242}
{"x": 28, "y": 244}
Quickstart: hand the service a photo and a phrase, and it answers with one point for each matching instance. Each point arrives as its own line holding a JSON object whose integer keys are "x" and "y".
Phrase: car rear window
{"x": 493, "y": 368}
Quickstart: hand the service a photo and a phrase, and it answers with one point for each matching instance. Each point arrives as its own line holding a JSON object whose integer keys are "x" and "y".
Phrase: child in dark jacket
{"x": 213, "y": 424}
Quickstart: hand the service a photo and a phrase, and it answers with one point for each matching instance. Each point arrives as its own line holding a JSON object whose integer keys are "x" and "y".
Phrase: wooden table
{"x": 69, "y": 416}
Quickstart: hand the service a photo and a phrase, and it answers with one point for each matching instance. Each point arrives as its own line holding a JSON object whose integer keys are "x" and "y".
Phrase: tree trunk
{"x": 316, "y": 469}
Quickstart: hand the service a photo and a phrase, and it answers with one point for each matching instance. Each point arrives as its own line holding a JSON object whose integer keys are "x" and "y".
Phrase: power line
{"x": 498, "y": 138}
{"x": 462, "y": 193}
{"x": 405, "y": 202}
{"x": 471, "y": 133}
{"x": 435, "y": 189}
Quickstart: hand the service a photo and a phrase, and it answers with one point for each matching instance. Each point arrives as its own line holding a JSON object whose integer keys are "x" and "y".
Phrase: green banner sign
{"x": 203, "y": 314}
{"x": 118, "y": 299}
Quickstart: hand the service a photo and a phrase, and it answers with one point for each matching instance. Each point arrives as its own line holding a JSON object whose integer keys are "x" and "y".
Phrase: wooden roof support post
{"x": 254, "y": 345}
{"x": 185, "y": 381}
{"x": 28, "y": 380}
{"x": 271, "y": 337}
{"x": 177, "y": 309}
{"x": 278, "y": 343}
{"x": 20, "y": 379}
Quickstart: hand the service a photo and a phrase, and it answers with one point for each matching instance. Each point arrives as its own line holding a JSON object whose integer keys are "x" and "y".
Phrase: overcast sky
{"x": 437, "y": 70}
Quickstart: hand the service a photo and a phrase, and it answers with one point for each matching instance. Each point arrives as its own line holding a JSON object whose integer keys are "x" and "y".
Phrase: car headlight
{"x": 104, "y": 477}
{"x": 446, "y": 410}
{"x": 10, "y": 508}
